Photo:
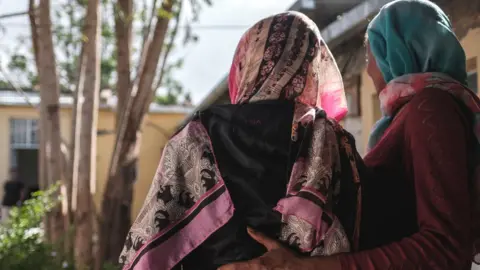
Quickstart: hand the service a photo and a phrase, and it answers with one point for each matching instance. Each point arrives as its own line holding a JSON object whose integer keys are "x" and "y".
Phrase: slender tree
{"x": 117, "y": 198}
{"x": 123, "y": 39}
{"x": 50, "y": 146}
{"x": 79, "y": 72}
{"x": 86, "y": 118}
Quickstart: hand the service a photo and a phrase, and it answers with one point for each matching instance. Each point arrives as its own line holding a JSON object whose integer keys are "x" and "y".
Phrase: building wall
{"x": 354, "y": 126}
{"x": 370, "y": 106}
{"x": 6, "y": 113}
{"x": 155, "y": 134}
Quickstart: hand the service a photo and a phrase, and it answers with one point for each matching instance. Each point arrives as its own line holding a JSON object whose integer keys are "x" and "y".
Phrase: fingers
{"x": 232, "y": 266}
{"x": 261, "y": 262}
{"x": 268, "y": 243}
{"x": 250, "y": 265}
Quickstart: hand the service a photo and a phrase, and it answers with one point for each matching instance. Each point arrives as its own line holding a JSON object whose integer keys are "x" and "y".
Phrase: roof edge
{"x": 12, "y": 98}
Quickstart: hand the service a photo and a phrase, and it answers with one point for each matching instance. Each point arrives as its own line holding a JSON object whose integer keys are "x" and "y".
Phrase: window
{"x": 352, "y": 93}
{"x": 308, "y": 4}
{"x": 23, "y": 135}
{"x": 352, "y": 105}
{"x": 472, "y": 81}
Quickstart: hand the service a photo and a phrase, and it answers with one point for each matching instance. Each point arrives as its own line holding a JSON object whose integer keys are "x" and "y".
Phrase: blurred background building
{"x": 343, "y": 25}
{"x": 19, "y": 141}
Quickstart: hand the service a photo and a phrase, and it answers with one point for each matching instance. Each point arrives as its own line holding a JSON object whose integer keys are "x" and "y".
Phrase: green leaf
{"x": 18, "y": 62}
{"x": 107, "y": 31}
{"x": 162, "y": 13}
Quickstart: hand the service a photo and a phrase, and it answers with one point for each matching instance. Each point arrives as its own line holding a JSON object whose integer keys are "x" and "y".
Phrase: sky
{"x": 205, "y": 63}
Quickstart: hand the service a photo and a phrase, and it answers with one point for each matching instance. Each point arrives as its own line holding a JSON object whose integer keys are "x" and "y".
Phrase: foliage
{"x": 18, "y": 62}
{"x": 22, "y": 245}
{"x": 5, "y": 85}
{"x": 67, "y": 18}
{"x": 21, "y": 237}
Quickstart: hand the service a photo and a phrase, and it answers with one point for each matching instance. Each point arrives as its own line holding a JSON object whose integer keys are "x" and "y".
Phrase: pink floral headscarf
{"x": 284, "y": 57}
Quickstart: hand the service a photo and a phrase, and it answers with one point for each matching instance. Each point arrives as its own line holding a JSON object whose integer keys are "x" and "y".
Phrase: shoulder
{"x": 340, "y": 132}
{"x": 435, "y": 111}
{"x": 326, "y": 128}
{"x": 193, "y": 131}
{"x": 433, "y": 105}
{"x": 435, "y": 99}
{"x": 189, "y": 140}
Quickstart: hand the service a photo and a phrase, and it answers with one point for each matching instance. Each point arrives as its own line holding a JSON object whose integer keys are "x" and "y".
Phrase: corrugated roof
{"x": 14, "y": 98}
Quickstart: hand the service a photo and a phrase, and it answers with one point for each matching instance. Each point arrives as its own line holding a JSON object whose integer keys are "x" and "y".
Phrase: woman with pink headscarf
{"x": 271, "y": 161}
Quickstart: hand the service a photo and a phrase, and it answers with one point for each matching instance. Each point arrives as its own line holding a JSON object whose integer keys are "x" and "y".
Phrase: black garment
{"x": 29, "y": 193}
{"x": 346, "y": 203}
{"x": 12, "y": 193}
{"x": 255, "y": 154}
{"x": 251, "y": 143}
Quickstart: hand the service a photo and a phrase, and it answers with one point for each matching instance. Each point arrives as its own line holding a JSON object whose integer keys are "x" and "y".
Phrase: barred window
{"x": 472, "y": 81}
{"x": 24, "y": 134}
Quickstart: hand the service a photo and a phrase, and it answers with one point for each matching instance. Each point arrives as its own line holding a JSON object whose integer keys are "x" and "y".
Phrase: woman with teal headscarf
{"x": 420, "y": 207}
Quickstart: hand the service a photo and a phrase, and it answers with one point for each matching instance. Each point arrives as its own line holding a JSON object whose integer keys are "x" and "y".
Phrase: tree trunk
{"x": 169, "y": 47}
{"x": 117, "y": 198}
{"x": 51, "y": 155}
{"x": 147, "y": 26}
{"x": 86, "y": 118}
{"x": 32, "y": 15}
{"x": 123, "y": 33}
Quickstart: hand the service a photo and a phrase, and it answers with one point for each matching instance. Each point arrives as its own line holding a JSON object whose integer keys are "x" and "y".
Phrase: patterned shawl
{"x": 281, "y": 57}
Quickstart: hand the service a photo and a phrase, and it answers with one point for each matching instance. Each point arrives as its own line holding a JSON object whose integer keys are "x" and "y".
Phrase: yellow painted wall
{"x": 150, "y": 152}
{"x": 25, "y": 113}
{"x": 369, "y": 101}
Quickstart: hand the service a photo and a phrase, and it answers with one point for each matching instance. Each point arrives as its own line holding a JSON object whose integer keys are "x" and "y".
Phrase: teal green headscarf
{"x": 415, "y": 36}
{"x": 411, "y": 37}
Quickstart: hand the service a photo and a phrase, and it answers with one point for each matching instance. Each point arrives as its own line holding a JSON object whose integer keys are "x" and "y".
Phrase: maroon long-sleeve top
{"x": 416, "y": 212}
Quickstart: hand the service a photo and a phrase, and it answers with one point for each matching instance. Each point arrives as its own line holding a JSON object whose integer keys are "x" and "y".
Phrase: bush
{"x": 21, "y": 237}
{"x": 22, "y": 245}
